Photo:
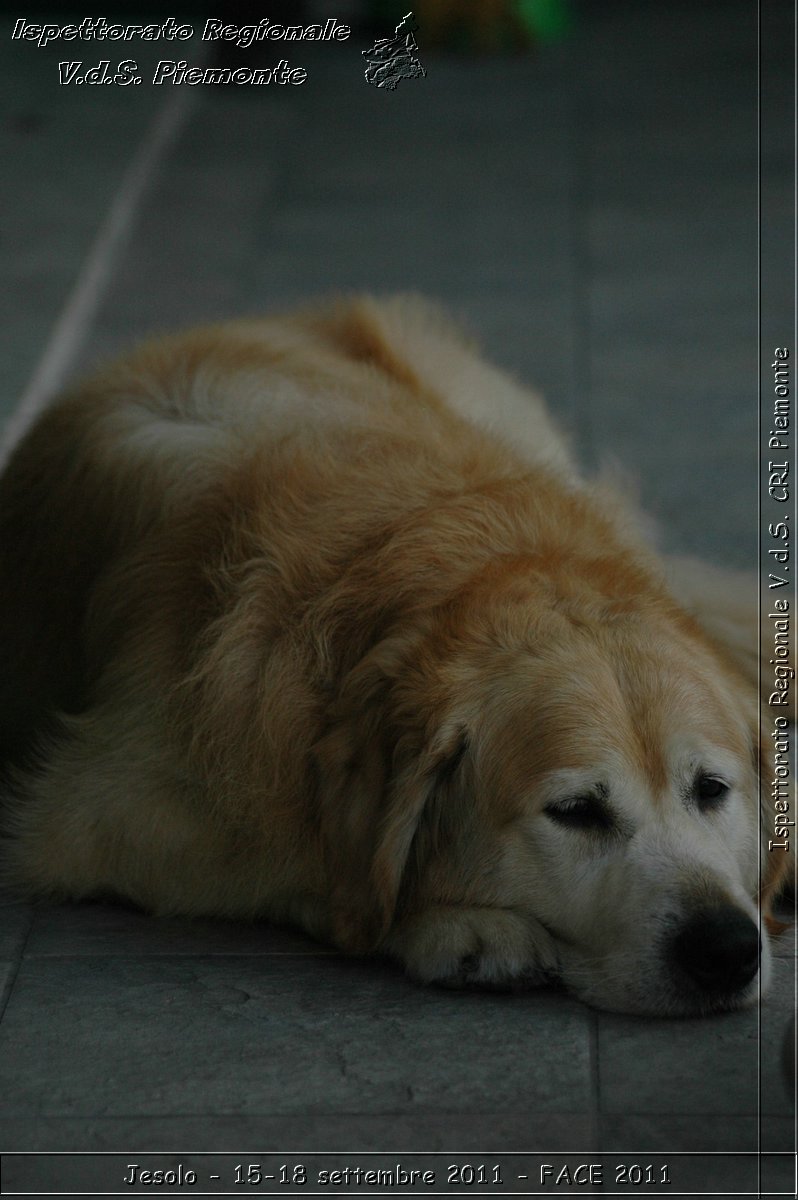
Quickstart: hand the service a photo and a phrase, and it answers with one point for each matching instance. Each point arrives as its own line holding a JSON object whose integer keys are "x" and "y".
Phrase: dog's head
{"x": 589, "y": 763}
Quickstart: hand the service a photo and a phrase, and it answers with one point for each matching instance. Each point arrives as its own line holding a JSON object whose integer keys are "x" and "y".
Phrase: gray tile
{"x": 7, "y": 971}
{"x": 197, "y": 224}
{"x": 660, "y": 1133}
{"x": 689, "y": 1066}
{"x": 128, "y": 1037}
{"x": 299, "y": 206}
{"x": 670, "y": 279}
{"x": 777, "y": 1093}
{"x": 15, "y": 922}
{"x": 451, "y": 1131}
{"x": 699, "y": 1066}
{"x": 645, "y": 419}
{"x": 118, "y": 931}
{"x": 69, "y": 152}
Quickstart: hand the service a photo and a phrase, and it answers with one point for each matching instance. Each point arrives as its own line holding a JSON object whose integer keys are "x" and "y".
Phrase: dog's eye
{"x": 710, "y": 791}
{"x": 581, "y": 812}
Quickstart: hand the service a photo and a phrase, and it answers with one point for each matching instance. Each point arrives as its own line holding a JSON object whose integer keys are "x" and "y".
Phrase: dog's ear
{"x": 778, "y": 863}
{"x": 378, "y": 768}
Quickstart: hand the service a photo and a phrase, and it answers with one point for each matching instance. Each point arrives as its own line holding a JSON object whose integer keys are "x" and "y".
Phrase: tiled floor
{"x": 591, "y": 211}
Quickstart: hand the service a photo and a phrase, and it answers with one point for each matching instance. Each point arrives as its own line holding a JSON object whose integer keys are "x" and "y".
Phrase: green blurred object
{"x": 478, "y": 25}
{"x": 546, "y": 20}
{"x": 486, "y": 25}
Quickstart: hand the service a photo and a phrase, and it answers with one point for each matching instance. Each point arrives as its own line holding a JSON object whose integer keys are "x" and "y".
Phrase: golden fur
{"x": 312, "y": 618}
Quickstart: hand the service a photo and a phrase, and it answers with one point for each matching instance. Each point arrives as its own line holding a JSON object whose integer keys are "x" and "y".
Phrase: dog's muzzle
{"x": 718, "y": 949}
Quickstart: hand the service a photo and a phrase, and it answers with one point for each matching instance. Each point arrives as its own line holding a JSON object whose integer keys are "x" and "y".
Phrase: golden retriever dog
{"x": 313, "y": 619}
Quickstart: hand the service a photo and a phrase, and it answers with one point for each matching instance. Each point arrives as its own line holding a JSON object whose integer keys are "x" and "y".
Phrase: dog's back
{"x": 143, "y": 442}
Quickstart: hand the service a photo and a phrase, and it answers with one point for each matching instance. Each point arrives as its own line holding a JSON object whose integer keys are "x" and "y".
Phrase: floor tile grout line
{"x": 16, "y": 964}
{"x": 72, "y": 325}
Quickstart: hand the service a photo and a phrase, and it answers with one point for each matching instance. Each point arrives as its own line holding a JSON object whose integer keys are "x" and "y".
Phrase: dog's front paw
{"x": 480, "y": 947}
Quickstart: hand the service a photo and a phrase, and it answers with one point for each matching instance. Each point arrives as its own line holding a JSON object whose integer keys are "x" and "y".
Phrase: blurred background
{"x": 578, "y": 182}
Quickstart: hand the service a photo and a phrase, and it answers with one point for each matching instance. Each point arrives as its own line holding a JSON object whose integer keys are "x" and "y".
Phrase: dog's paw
{"x": 474, "y": 947}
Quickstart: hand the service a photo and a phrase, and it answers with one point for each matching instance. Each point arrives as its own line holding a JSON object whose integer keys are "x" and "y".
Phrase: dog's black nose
{"x": 719, "y": 949}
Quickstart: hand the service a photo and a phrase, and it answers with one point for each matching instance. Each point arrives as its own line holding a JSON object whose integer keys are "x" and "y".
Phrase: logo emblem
{"x": 392, "y": 59}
